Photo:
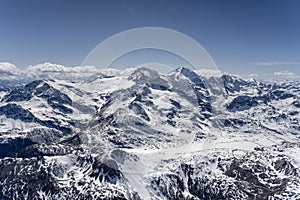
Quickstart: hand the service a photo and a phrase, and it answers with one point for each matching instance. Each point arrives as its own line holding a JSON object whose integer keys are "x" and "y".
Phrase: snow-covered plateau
{"x": 139, "y": 134}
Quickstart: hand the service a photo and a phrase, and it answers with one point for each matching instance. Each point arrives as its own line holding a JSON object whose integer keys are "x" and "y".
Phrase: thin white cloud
{"x": 56, "y": 68}
{"x": 129, "y": 9}
{"x": 276, "y": 63}
{"x": 275, "y": 76}
{"x": 8, "y": 67}
{"x": 9, "y": 71}
{"x": 286, "y": 74}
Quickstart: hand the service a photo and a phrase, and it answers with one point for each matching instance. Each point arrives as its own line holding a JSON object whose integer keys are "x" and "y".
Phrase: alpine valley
{"x": 139, "y": 134}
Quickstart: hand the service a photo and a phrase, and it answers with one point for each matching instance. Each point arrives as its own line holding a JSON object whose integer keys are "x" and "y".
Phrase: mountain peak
{"x": 143, "y": 73}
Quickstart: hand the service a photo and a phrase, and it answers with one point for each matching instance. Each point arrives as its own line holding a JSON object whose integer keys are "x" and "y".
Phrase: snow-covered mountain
{"x": 139, "y": 134}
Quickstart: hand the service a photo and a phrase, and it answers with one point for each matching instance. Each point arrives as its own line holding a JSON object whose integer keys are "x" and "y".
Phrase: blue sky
{"x": 242, "y": 36}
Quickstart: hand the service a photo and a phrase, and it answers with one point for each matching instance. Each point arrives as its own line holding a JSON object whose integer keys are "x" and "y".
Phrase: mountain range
{"x": 139, "y": 134}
